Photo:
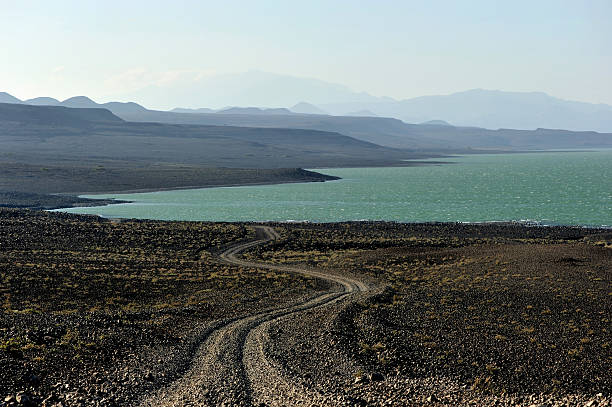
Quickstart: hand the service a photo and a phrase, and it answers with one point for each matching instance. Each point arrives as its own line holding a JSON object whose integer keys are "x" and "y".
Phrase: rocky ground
{"x": 96, "y": 312}
{"x": 107, "y": 313}
{"x": 469, "y": 314}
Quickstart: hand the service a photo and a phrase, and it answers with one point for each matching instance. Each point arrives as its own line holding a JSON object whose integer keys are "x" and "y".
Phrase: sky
{"x": 402, "y": 49}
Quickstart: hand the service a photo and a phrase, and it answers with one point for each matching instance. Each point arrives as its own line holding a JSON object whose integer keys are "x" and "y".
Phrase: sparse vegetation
{"x": 109, "y": 296}
{"x": 507, "y": 309}
{"x": 503, "y": 309}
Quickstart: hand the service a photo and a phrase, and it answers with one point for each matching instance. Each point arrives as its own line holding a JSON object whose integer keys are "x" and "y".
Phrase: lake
{"x": 571, "y": 188}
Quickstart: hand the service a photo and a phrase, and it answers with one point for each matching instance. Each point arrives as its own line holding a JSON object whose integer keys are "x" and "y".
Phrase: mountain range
{"x": 252, "y": 88}
{"x": 492, "y": 109}
{"x": 52, "y": 134}
{"x": 432, "y": 135}
{"x": 75, "y": 102}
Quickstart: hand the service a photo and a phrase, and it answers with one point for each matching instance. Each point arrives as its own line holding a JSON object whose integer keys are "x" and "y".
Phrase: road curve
{"x": 231, "y": 368}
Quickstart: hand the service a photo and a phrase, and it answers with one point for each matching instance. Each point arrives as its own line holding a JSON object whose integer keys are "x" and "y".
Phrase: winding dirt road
{"x": 231, "y": 368}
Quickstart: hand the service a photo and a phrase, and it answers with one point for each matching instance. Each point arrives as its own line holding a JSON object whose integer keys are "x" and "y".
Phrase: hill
{"x": 307, "y": 108}
{"x": 51, "y": 149}
{"x": 42, "y": 101}
{"x": 363, "y": 113}
{"x": 254, "y": 111}
{"x": 432, "y": 137}
{"x": 7, "y": 98}
{"x": 200, "y": 110}
{"x": 437, "y": 123}
{"x": 59, "y": 149}
{"x": 115, "y": 107}
{"x": 75, "y": 102}
{"x": 491, "y": 109}
{"x": 79, "y": 102}
{"x": 27, "y": 115}
{"x": 86, "y": 133}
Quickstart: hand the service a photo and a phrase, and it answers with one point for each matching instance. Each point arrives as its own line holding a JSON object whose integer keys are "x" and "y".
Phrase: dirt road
{"x": 231, "y": 368}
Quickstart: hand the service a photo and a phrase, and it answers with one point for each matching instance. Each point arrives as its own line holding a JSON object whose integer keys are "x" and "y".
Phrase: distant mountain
{"x": 497, "y": 109}
{"x": 492, "y": 109}
{"x": 393, "y": 133}
{"x": 253, "y": 88}
{"x": 115, "y": 107}
{"x": 42, "y": 101}
{"x": 307, "y": 108}
{"x": 54, "y": 115}
{"x": 431, "y": 135}
{"x": 7, "y": 98}
{"x": 123, "y": 107}
{"x": 44, "y": 134}
{"x": 79, "y": 102}
{"x": 76, "y": 102}
{"x": 363, "y": 113}
{"x": 200, "y": 110}
{"x": 255, "y": 111}
{"x": 437, "y": 123}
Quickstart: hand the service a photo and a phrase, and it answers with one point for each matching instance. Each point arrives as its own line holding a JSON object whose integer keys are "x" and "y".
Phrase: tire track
{"x": 230, "y": 367}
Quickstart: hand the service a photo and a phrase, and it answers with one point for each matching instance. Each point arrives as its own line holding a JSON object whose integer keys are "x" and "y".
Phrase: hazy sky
{"x": 398, "y": 48}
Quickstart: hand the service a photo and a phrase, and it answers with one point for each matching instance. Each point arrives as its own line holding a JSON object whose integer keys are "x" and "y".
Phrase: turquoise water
{"x": 573, "y": 188}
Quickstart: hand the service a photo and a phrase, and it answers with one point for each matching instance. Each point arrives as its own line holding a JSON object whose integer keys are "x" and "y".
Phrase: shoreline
{"x": 407, "y": 163}
{"x": 112, "y": 201}
{"x": 418, "y": 162}
{"x": 604, "y": 229}
{"x": 162, "y": 189}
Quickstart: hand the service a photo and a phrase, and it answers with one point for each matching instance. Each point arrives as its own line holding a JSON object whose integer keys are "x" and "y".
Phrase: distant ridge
{"x": 42, "y": 101}
{"x": 123, "y": 107}
{"x": 255, "y": 111}
{"x": 430, "y": 135}
{"x": 54, "y": 115}
{"x": 55, "y": 134}
{"x": 307, "y": 108}
{"x": 79, "y": 102}
{"x": 391, "y": 132}
{"x": 437, "y": 123}
{"x": 75, "y": 102}
{"x": 185, "y": 110}
{"x": 7, "y": 98}
{"x": 251, "y": 88}
{"x": 362, "y": 113}
{"x": 492, "y": 109}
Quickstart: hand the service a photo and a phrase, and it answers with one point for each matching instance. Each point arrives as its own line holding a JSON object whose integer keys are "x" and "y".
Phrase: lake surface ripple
{"x": 571, "y": 188}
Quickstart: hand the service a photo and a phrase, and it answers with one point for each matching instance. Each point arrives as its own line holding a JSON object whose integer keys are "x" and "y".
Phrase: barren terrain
{"x": 364, "y": 313}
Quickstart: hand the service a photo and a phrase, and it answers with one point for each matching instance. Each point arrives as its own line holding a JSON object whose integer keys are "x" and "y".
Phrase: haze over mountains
{"x": 252, "y": 88}
{"x": 75, "y": 102}
{"x": 80, "y": 145}
{"x": 46, "y": 134}
{"x": 432, "y": 136}
{"x": 50, "y": 149}
{"x": 491, "y": 109}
